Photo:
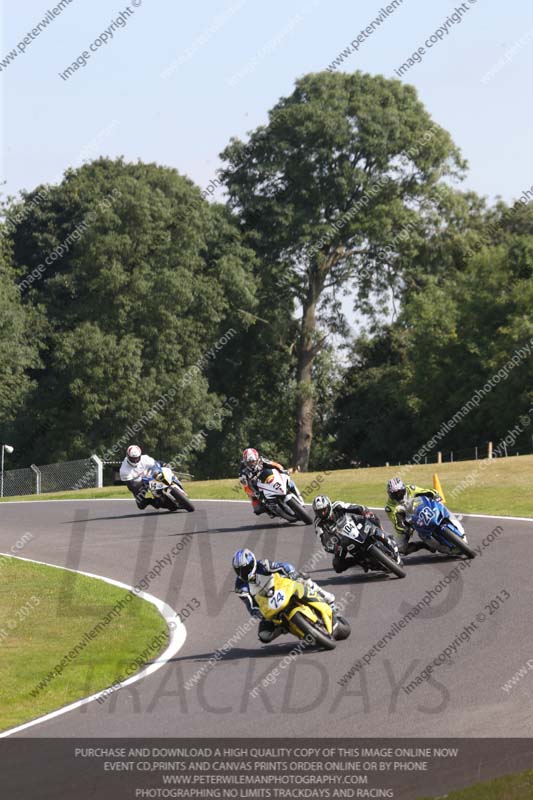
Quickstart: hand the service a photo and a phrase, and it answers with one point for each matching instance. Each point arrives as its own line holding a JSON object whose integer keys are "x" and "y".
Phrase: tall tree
{"x": 137, "y": 292}
{"x": 20, "y": 331}
{"x": 454, "y": 332}
{"x": 344, "y": 163}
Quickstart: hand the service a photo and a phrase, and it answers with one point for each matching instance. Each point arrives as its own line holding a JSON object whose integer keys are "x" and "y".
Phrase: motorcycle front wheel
{"x": 181, "y": 499}
{"x": 299, "y": 511}
{"x": 457, "y": 541}
{"x": 388, "y": 563}
{"x": 319, "y": 637}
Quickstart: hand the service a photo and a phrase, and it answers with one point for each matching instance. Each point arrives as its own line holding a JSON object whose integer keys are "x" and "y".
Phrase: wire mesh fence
{"x": 64, "y": 476}
{"x": 19, "y": 481}
{"x": 69, "y": 475}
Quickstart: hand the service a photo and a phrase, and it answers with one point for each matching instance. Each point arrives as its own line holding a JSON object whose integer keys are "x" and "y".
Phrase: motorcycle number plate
{"x": 349, "y": 529}
{"x": 155, "y": 485}
{"x": 277, "y": 600}
{"x": 426, "y": 516}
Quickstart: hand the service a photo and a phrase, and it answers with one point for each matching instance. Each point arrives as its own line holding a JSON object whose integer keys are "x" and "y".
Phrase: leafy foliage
{"x": 451, "y": 337}
{"x": 132, "y": 304}
{"x": 20, "y": 330}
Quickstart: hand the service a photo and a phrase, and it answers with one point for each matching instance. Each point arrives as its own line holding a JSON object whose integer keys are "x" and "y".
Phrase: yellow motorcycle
{"x": 301, "y": 611}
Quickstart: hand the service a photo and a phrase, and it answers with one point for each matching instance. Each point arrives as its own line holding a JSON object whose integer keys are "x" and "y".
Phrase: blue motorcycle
{"x": 437, "y": 527}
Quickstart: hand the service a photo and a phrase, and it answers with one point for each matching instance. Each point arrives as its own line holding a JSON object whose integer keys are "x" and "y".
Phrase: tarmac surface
{"x": 491, "y": 599}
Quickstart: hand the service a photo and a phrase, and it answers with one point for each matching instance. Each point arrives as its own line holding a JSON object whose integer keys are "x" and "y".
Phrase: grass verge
{"x": 511, "y": 787}
{"x": 499, "y": 486}
{"x": 45, "y": 613}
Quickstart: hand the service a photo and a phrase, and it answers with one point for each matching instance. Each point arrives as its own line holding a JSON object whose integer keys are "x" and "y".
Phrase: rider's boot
{"x": 413, "y": 547}
{"x": 328, "y": 597}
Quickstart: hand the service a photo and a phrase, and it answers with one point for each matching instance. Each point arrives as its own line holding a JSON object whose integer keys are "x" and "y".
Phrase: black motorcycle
{"x": 368, "y": 544}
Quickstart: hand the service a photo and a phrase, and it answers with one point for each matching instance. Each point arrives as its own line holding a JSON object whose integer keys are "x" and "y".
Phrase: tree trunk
{"x": 307, "y": 352}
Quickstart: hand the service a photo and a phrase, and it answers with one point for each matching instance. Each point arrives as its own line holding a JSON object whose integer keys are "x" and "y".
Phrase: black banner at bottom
{"x": 149, "y": 769}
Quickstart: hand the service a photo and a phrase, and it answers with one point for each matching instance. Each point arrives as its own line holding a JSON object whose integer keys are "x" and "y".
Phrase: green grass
{"x": 64, "y": 607}
{"x": 501, "y": 486}
{"x": 511, "y": 787}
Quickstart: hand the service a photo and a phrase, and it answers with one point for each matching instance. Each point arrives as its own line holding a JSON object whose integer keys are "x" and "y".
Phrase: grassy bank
{"x": 500, "y": 486}
{"x": 45, "y": 613}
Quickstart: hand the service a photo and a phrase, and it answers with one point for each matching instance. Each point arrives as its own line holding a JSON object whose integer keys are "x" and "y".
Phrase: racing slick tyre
{"x": 457, "y": 541}
{"x": 299, "y": 511}
{"x": 319, "y": 637}
{"x": 388, "y": 563}
{"x": 181, "y": 499}
{"x": 341, "y": 629}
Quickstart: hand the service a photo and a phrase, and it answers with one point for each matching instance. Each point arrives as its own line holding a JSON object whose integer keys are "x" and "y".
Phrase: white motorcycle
{"x": 280, "y": 495}
{"x": 162, "y": 483}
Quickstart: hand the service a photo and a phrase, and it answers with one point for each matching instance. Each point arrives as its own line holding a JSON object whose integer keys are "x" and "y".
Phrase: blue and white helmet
{"x": 245, "y": 564}
{"x": 396, "y": 489}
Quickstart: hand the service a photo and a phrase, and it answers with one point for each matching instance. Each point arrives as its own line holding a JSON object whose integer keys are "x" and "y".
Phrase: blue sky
{"x": 179, "y": 79}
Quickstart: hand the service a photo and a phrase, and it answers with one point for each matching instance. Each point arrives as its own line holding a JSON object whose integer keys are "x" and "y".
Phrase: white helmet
{"x": 322, "y": 506}
{"x": 252, "y": 459}
{"x": 133, "y": 454}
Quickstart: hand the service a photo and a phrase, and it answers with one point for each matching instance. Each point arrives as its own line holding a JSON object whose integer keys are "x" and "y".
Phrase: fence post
{"x": 490, "y": 450}
{"x": 476, "y": 452}
{"x": 37, "y": 471}
{"x": 439, "y": 457}
{"x": 99, "y": 471}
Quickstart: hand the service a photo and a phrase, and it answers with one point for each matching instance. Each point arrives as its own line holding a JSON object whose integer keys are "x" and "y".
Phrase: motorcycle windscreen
{"x": 273, "y": 485}
{"x": 347, "y": 527}
{"x": 424, "y": 514}
{"x": 276, "y": 595}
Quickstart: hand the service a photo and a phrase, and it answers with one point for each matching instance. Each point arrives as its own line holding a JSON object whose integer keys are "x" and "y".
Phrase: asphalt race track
{"x": 463, "y": 697}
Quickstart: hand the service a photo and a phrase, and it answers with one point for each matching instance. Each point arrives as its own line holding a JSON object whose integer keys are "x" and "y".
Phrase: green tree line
{"x": 125, "y": 295}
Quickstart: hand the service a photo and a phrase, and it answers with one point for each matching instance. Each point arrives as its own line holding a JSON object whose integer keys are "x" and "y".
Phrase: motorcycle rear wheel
{"x": 342, "y": 629}
{"x": 320, "y": 637}
{"x": 386, "y": 561}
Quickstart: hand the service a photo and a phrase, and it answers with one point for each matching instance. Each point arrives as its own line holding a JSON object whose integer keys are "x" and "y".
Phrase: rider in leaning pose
{"x": 326, "y": 516}
{"x": 132, "y": 469}
{"x": 397, "y": 493}
{"x": 251, "y": 466}
{"x": 247, "y": 568}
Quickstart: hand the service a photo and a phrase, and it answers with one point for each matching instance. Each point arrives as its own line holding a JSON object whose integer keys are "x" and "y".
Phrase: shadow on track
{"x": 355, "y": 578}
{"x": 239, "y": 529}
{"x": 239, "y": 653}
{"x": 429, "y": 558}
{"x": 164, "y": 511}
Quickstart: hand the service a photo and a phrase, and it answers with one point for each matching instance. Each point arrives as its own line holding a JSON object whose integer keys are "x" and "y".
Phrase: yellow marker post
{"x": 438, "y": 487}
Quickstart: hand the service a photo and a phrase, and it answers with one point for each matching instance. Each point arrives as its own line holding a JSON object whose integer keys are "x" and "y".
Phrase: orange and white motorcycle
{"x": 280, "y": 496}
